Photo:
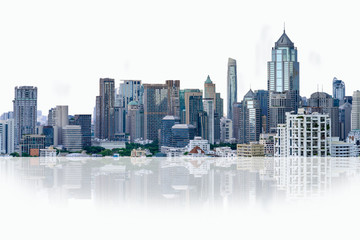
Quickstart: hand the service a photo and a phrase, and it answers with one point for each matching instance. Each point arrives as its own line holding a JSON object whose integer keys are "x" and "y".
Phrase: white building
{"x": 48, "y": 153}
{"x": 267, "y": 139}
{"x": 108, "y": 144}
{"x": 7, "y": 136}
{"x": 303, "y": 135}
{"x": 202, "y": 143}
{"x": 343, "y": 149}
{"x": 355, "y": 111}
{"x": 72, "y": 137}
{"x": 173, "y": 152}
{"x": 225, "y": 152}
{"x": 226, "y": 130}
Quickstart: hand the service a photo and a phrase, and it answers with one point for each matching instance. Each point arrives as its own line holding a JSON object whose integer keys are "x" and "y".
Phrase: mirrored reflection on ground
{"x": 180, "y": 182}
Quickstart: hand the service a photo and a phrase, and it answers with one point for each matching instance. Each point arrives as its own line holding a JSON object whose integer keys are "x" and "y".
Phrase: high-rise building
{"x": 263, "y": 98}
{"x": 84, "y": 120}
{"x": 7, "y": 115}
{"x": 202, "y": 129}
{"x": 25, "y": 111}
{"x": 237, "y": 122}
{"x": 355, "y": 111}
{"x": 208, "y": 105}
{"x": 61, "y": 120}
{"x": 135, "y": 121}
{"x": 173, "y": 97}
{"x": 252, "y": 118}
{"x": 182, "y": 103}
{"x": 209, "y": 89}
{"x": 7, "y": 136}
{"x": 155, "y": 109}
{"x": 105, "y": 102}
{"x": 182, "y": 134}
{"x": 283, "y": 81}
{"x": 193, "y": 105}
{"x": 344, "y": 120}
{"x": 72, "y": 138}
{"x": 129, "y": 90}
{"x": 226, "y": 130}
{"x": 231, "y": 86}
{"x": 48, "y": 132}
{"x": 304, "y": 134}
{"x": 338, "y": 89}
{"x": 166, "y": 133}
{"x": 323, "y": 103}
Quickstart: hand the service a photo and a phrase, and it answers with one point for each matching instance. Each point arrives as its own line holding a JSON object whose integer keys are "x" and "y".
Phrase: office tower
{"x": 338, "y": 89}
{"x": 7, "y": 136}
{"x": 217, "y": 127}
{"x": 31, "y": 144}
{"x": 182, "y": 103}
{"x": 61, "y": 120}
{"x": 105, "y": 122}
{"x": 202, "y": 129}
{"x": 304, "y": 134}
{"x": 283, "y": 81}
{"x": 209, "y": 89}
{"x": 355, "y": 111}
{"x": 135, "y": 121}
{"x": 219, "y": 102}
{"x": 182, "y": 134}
{"x": 155, "y": 109}
{"x": 166, "y": 134}
{"x": 208, "y": 105}
{"x": 173, "y": 97}
{"x": 237, "y": 121}
{"x": 84, "y": 120}
{"x": 263, "y": 98}
{"x": 231, "y": 86}
{"x": 51, "y": 117}
{"x": 72, "y": 138}
{"x": 348, "y": 99}
{"x": 25, "y": 111}
{"x": 48, "y": 132}
{"x": 344, "y": 120}
{"x": 252, "y": 118}
{"x": 226, "y": 130}
{"x": 120, "y": 114}
{"x": 129, "y": 90}
{"x": 193, "y": 105}
{"x": 323, "y": 103}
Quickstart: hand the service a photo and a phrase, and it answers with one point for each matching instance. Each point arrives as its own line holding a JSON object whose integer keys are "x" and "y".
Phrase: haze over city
{"x": 64, "y": 48}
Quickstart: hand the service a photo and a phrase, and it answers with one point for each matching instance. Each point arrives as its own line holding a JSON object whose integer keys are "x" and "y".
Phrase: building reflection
{"x": 180, "y": 182}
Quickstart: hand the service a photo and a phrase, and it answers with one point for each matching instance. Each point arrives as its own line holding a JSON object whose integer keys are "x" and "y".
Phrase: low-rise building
{"x": 139, "y": 152}
{"x": 31, "y": 144}
{"x": 343, "y": 149}
{"x": 48, "y": 153}
{"x": 225, "y": 152}
{"x": 201, "y": 143}
{"x": 253, "y": 149}
{"x": 267, "y": 139}
{"x": 108, "y": 144}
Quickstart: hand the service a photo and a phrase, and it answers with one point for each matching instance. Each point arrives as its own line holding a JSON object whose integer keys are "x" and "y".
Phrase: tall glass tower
{"x": 283, "y": 81}
{"x": 231, "y": 87}
{"x": 338, "y": 89}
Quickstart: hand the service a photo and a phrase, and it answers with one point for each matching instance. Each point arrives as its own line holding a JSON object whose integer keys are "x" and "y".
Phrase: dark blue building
{"x": 182, "y": 134}
{"x": 166, "y": 124}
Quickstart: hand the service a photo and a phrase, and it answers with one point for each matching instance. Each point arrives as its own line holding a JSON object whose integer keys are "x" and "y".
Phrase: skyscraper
{"x": 84, "y": 120}
{"x": 155, "y": 109}
{"x": 25, "y": 111}
{"x": 344, "y": 120}
{"x": 263, "y": 98}
{"x": 173, "y": 97}
{"x": 166, "y": 133}
{"x": 283, "y": 81}
{"x": 323, "y": 103}
{"x": 208, "y": 105}
{"x": 252, "y": 118}
{"x": 338, "y": 89}
{"x": 182, "y": 103}
{"x": 7, "y": 136}
{"x": 105, "y": 123}
{"x": 231, "y": 86}
{"x": 61, "y": 120}
{"x": 193, "y": 105}
{"x": 355, "y": 112}
{"x": 130, "y": 90}
{"x": 135, "y": 121}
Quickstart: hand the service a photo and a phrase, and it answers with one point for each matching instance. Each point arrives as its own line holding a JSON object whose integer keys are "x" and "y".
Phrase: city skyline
{"x": 68, "y": 59}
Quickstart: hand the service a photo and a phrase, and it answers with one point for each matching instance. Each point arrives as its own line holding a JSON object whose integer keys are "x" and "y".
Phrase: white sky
{"x": 64, "y": 47}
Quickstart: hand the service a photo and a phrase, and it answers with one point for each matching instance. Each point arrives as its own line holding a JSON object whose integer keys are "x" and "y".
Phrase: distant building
{"x": 225, "y": 152}
{"x": 173, "y": 97}
{"x": 231, "y": 86}
{"x": 48, "y": 153}
{"x": 25, "y": 111}
{"x": 84, "y": 120}
{"x": 182, "y": 103}
{"x": 193, "y": 106}
{"x": 138, "y": 152}
{"x": 267, "y": 139}
{"x": 338, "y": 90}
{"x": 61, "y": 120}
{"x": 262, "y": 96}
{"x": 304, "y": 135}
{"x": 226, "y": 130}
{"x": 108, "y": 144}
{"x": 253, "y": 149}
{"x": 48, "y": 132}
{"x": 343, "y": 149}
{"x": 166, "y": 130}
{"x": 31, "y": 144}
{"x": 105, "y": 103}
{"x": 182, "y": 134}
{"x": 198, "y": 141}
{"x": 130, "y": 90}
{"x": 7, "y": 136}
{"x": 208, "y": 105}
{"x": 355, "y": 112}
{"x": 345, "y": 120}
{"x": 72, "y": 138}
{"x": 135, "y": 121}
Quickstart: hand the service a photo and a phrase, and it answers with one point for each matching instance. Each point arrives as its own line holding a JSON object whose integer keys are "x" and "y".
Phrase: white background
{"x": 64, "y": 47}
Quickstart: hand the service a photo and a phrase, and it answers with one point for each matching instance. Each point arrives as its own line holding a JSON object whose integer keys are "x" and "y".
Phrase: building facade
{"x": 355, "y": 112}
{"x": 338, "y": 89}
{"x": 7, "y": 136}
{"x": 72, "y": 138}
{"x": 231, "y": 86}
